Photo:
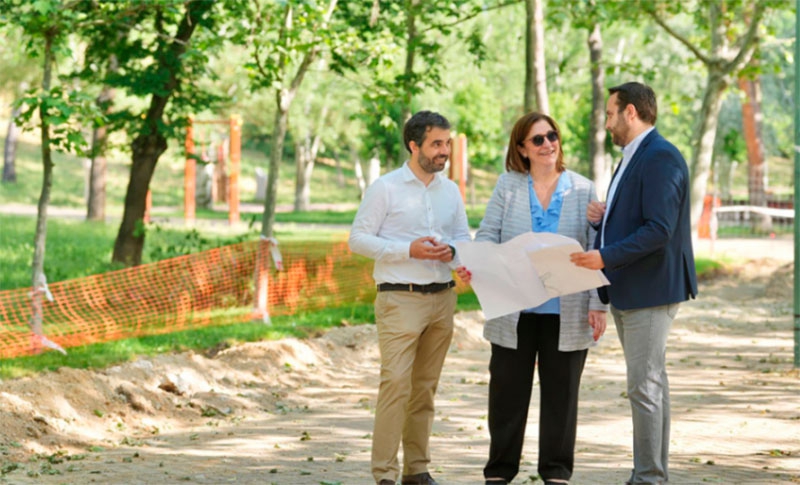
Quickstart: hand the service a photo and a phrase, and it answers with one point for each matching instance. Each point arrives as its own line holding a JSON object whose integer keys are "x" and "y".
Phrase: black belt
{"x": 431, "y": 288}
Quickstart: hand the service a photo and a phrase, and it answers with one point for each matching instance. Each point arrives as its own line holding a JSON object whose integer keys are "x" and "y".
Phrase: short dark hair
{"x": 640, "y": 96}
{"x": 514, "y": 161}
{"x": 417, "y": 127}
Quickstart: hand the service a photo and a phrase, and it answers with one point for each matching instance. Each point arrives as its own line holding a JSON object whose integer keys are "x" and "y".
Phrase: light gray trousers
{"x": 643, "y": 333}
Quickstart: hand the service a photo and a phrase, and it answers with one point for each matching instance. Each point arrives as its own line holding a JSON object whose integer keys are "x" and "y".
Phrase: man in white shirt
{"x": 407, "y": 223}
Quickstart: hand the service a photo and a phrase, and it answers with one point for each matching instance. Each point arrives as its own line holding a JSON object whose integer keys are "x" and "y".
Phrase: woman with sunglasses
{"x": 538, "y": 194}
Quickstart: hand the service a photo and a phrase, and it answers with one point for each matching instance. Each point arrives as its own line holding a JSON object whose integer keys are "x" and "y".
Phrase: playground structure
{"x": 224, "y": 180}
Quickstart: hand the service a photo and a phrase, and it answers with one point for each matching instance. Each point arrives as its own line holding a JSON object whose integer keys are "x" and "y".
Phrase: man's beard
{"x": 429, "y": 165}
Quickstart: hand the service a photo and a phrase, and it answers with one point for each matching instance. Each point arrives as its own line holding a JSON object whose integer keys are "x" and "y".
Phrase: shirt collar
{"x": 629, "y": 149}
{"x": 408, "y": 176}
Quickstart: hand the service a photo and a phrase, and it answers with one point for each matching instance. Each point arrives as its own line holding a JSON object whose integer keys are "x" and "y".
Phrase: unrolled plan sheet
{"x": 525, "y": 271}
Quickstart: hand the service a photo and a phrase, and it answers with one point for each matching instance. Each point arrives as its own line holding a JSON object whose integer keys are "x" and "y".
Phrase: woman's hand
{"x": 464, "y": 274}
{"x": 597, "y": 320}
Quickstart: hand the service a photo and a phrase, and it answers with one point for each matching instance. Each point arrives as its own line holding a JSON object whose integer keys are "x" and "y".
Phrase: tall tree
{"x": 756, "y": 163}
{"x": 18, "y": 75}
{"x": 423, "y": 28}
{"x": 280, "y": 63}
{"x": 601, "y": 172}
{"x": 589, "y": 16}
{"x": 161, "y": 81}
{"x": 535, "y": 71}
{"x": 10, "y": 147}
{"x": 307, "y": 146}
{"x": 725, "y": 49}
{"x": 46, "y": 24}
{"x": 96, "y": 203}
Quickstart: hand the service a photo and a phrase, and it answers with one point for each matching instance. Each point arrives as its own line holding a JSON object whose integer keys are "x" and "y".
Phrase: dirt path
{"x": 300, "y": 412}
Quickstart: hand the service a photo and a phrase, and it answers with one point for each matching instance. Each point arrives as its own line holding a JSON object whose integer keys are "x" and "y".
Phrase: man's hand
{"x": 597, "y": 320}
{"x": 595, "y": 211}
{"x": 428, "y": 248}
{"x": 464, "y": 274}
{"x": 589, "y": 259}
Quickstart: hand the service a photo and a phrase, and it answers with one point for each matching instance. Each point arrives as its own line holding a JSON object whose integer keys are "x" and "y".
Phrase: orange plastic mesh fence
{"x": 186, "y": 292}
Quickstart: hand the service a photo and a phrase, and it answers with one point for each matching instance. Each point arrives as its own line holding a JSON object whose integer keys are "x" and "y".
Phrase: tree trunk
{"x": 535, "y": 67}
{"x": 722, "y": 64}
{"x": 278, "y": 137}
{"x": 96, "y": 205}
{"x": 305, "y": 155}
{"x": 601, "y": 170}
{"x": 756, "y": 166}
{"x": 10, "y": 151}
{"x": 37, "y": 268}
{"x": 148, "y": 146}
{"x": 360, "y": 180}
{"x": 283, "y": 100}
{"x": 705, "y": 134}
{"x": 408, "y": 71}
{"x": 751, "y": 128}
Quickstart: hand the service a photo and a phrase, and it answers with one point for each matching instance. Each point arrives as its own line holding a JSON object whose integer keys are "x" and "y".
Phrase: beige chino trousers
{"x": 414, "y": 334}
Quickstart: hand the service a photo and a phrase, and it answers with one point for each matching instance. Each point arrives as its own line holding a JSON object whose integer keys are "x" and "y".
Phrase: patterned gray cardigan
{"x": 508, "y": 215}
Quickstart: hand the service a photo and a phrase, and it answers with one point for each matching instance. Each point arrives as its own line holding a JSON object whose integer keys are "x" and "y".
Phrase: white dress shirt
{"x": 627, "y": 153}
{"x": 397, "y": 209}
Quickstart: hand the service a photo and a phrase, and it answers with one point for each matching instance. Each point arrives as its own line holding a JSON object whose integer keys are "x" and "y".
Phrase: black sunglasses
{"x": 538, "y": 140}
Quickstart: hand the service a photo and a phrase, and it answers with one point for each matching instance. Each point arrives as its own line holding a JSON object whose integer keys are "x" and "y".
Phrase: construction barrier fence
{"x": 186, "y": 292}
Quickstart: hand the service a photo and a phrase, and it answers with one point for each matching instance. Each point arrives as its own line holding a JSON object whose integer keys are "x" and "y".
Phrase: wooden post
{"x": 235, "y": 151}
{"x": 221, "y": 175}
{"x": 458, "y": 163}
{"x": 452, "y": 171}
{"x": 260, "y": 305}
{"x": 462, "y": 171}
{"x": 189, "y": 176}
{"x": 148, "y": 206}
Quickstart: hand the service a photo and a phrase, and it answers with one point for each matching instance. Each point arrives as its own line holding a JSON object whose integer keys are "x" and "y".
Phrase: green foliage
{"x": 164, "y": 243}
{"x": 733, "y": 145}
{"x": 477, "y": 117}
{"x": 382, "y": 119}
{"x": 573, "y": 111}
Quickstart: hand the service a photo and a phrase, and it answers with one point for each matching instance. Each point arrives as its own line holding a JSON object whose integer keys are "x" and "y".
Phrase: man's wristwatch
{"x": 452, "y": 251}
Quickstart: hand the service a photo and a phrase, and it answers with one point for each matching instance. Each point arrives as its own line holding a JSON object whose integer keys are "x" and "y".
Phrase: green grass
{"x": 69, "y": 179}
{"x": 706, "y": 266}
{"x": 747, "y": 230}
{"x": 78, "y": 248}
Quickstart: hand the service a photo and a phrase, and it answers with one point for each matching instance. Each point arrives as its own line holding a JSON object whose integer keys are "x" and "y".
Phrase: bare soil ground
{"x": 300, "y": 412}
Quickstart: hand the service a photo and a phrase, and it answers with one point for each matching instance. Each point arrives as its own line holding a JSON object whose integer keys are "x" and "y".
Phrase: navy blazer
{"x": 648, "y": 253}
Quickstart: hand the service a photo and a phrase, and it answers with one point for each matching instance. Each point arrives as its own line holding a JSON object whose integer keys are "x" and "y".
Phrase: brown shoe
{"x": 419, "y": 479}
{"x": 386, "y": 481}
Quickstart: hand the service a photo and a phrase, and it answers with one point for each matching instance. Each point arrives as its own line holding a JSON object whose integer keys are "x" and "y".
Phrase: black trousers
{"x": 510, "y": 395}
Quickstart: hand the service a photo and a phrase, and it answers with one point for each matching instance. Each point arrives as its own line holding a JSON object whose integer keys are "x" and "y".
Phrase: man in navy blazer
{"x": 644, "y": 247}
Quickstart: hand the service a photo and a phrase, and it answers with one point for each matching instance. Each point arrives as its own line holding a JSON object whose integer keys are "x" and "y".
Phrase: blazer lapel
{"x": 629, "y": 169}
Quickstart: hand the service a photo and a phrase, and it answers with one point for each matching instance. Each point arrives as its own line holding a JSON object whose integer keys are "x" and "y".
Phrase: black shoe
{"x": 419, "y": 479}
{"x": 386, "y": 481}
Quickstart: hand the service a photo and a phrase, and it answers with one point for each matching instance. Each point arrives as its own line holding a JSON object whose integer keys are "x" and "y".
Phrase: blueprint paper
{"x": 525, "y": 271}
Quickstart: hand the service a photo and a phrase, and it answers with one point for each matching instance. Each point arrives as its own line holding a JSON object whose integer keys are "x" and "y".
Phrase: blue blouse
{"x": 547, "y": 221}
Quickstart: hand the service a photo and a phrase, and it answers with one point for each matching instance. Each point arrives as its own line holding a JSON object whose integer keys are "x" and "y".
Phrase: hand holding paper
{"x": 525, "y": 271}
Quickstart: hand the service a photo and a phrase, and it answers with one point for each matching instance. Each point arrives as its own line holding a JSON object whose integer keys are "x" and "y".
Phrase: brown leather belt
{"x": 431, "y": 288}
